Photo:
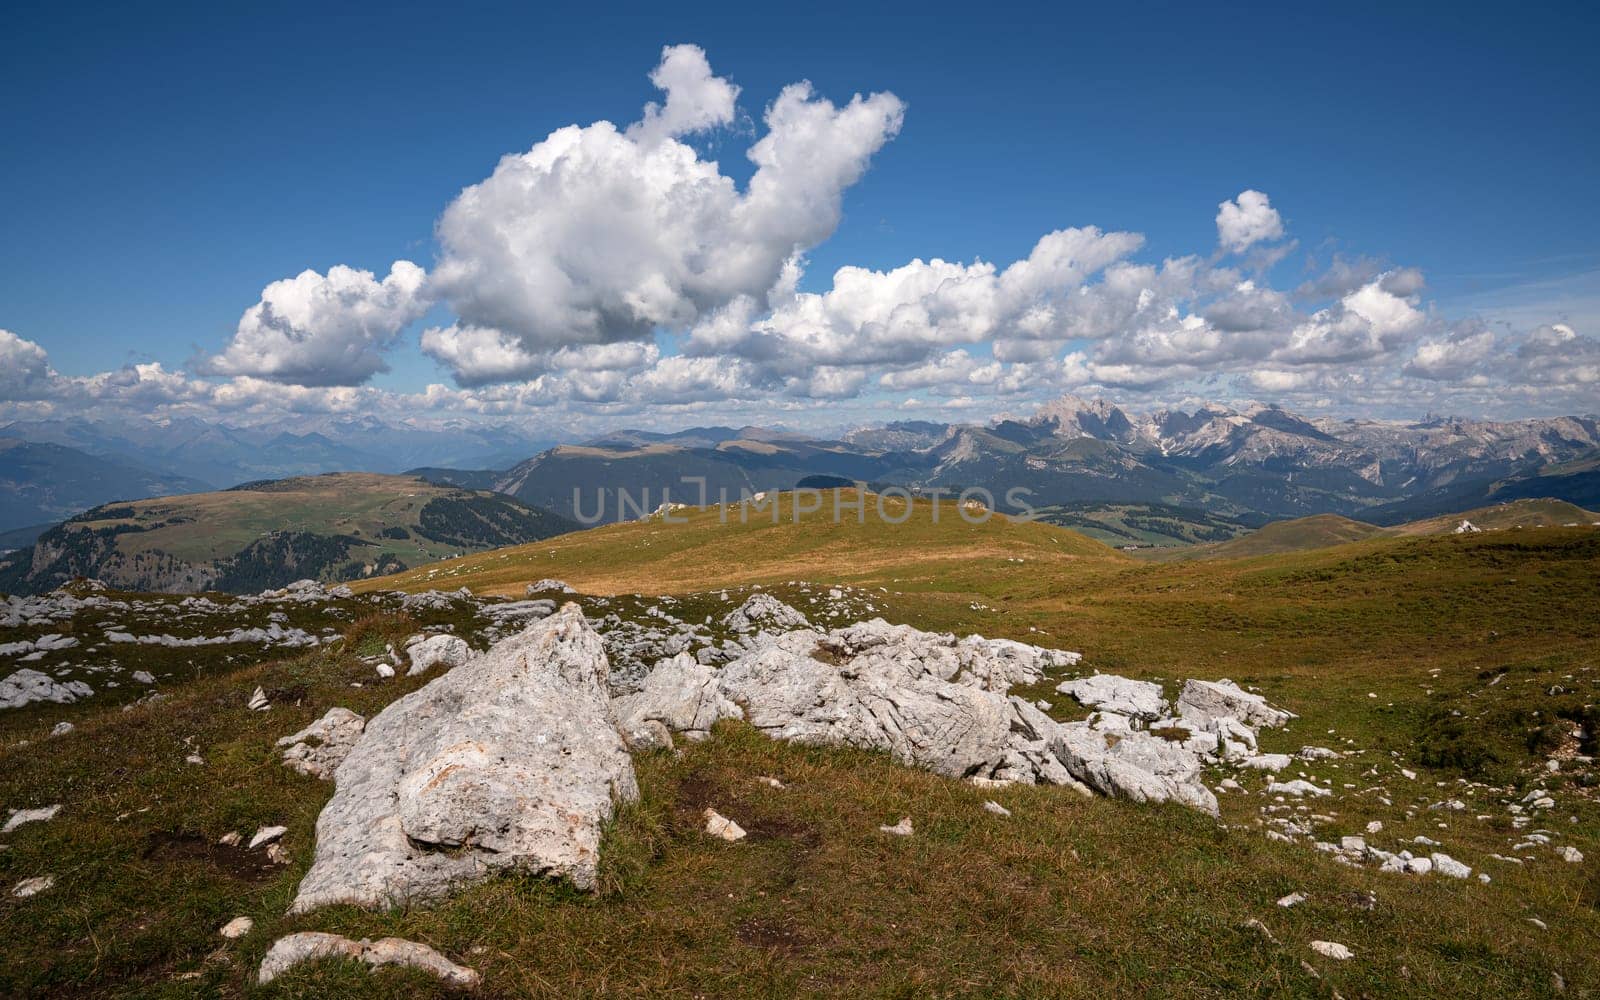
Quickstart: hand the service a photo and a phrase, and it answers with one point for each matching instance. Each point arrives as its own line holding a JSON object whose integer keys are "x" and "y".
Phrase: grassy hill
{"x": 1446, "y": 667}
{"x": 1144, "y": 525}
{"x": 738, "y": 545}
{"x": 1324, "y": 530}
{"x": 339, "y": 526}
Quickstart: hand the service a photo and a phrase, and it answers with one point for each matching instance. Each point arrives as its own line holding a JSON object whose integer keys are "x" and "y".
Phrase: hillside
{"x": 336, "y": 527}
{"x": 42, "y": 483}
{"x": 1435, "y": 679}
{"x": 1144, "y": 526}
{"x": 742, "y": 544}
{"x": 1325, "y": 530}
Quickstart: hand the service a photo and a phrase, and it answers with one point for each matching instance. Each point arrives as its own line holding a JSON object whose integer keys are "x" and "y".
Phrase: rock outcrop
{"x": 509, "y": 761}
{"x": 321, "y": 747}
{"x": 764, "y": 612}
{"x": 27, "y": 686}
{"x": 681, "y": 694}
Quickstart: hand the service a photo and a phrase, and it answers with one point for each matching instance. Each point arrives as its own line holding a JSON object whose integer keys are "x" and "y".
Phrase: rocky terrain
{"x": 517, "y": 752}
{"x": 330, "y": 790}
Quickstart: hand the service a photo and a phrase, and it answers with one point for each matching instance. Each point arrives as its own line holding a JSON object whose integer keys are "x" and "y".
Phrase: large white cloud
{"x": 597, "y": 235}
{"x": 1247, "y": 220}
{"x": 315, "y": 329}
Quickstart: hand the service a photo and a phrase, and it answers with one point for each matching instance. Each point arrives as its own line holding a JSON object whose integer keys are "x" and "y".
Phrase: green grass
{"x": 1388, "y": 647}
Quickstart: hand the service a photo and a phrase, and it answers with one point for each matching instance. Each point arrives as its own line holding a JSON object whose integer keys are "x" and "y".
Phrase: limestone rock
{"x": 548, "y": 586}
{"x": 1133, "y": 765}
{"x": 1332, "y": 949}
{"x": 1204, "y": 700}
{"x": 28, "y": 685}
{"x": 267, "y": 835}
{"x": 1140, "y": 700}
{"x": 309, "y": 946}
{"x": 721, "y": 826}
{"x": 681, "y": 693}
{"x": 33, "y": 886}
{"x": 509, "y": 761}
{"x": 321, "y": 747}
{"x": 763, "y": 612}
{"x": 452, "y": 651}
{"x": 900, "y": 829}
{"x": 874, "y": 686}
{"x": 238, "y": 927}
{"x": 20, "y": 816}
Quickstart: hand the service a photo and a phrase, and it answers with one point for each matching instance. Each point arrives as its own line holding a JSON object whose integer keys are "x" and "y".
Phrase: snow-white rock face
{"x": 310, "y": 946}
{"x": 27, "y": 686}
{"x": 1202, "y": 701}
{"x": 1139, "y": 700}
{"x": 681, "y": 694}
{"x": 425, "y": 654}
{"x": 321, "y": 747}
{"x": 763, "y": 612}
{"x": 509, "y": 761}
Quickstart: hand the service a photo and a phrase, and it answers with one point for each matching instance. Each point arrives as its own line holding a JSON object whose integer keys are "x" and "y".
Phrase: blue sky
{"x": 166, "y": 165}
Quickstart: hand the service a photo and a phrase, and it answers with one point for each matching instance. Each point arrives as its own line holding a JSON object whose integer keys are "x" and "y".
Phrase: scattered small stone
{"x": 1293, "y": 899}
{"x": 770, "y": 782}
{"x": 238, "y": 927}
{"x": 33, "y": 886}
{"x": 900, "y": 829}
{"x": 230, "y": 839}
{"x": 62, "y": 729}
{"x": 259, "y": 702}
{"x": 1569, "y": 853}
{"x": 722, "y": 827}
{"x": 1333, "y": 950}
{"x": 267, "y": 835}
{"x": 21, "y": 816}
{"x": 996, "y": 808}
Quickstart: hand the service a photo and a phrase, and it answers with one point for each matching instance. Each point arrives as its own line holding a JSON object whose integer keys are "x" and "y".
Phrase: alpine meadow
{"x": 1028, "y": 502}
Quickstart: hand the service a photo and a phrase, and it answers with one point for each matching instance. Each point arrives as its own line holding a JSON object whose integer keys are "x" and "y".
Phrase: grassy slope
{"x": 1066, "y": 898}
{"x": 203, "y": 528}
{"x": 1323, "y": 530}
{"x": 718, "y": 547}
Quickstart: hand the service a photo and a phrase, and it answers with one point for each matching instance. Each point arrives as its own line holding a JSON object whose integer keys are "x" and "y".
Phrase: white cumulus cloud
{"x": 318, "y": 330}
{"x": 1247, "y": 220}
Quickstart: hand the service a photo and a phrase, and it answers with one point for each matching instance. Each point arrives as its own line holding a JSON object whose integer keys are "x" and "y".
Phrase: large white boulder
{"x": 509, "y": 761}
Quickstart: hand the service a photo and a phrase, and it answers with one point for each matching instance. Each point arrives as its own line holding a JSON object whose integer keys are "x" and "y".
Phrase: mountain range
{"x": 1250, "y": 464}
{"x": 1254, "y": 464}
